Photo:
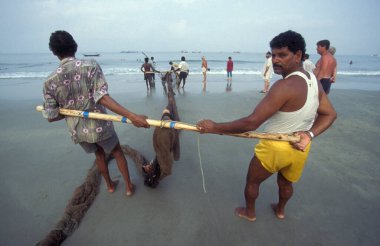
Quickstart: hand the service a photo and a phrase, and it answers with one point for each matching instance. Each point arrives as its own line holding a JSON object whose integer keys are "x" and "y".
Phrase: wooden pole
{"x": 170, "y": 124}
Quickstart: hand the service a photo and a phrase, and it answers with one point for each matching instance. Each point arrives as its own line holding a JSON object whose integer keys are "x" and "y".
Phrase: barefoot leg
{"x": 103, "y": 168}
{"x": 285, "y": 192}
{"x": 113, "y": 185}
{"x": 279, "y": 215}
{"x": 123, "y": 168}
{"x": 243, "y": 213}
{"x": 255, "y": 176}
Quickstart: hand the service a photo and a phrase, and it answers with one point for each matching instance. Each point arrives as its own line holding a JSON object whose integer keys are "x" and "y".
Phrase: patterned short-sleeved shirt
{"x": 79, "y": 85}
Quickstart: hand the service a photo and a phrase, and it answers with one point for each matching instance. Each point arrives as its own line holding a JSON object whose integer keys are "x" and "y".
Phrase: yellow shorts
{"x": 278, "y": 156}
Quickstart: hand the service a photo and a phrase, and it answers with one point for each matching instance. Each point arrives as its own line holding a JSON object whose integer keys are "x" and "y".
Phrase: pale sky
{"x": 352, "y": 26}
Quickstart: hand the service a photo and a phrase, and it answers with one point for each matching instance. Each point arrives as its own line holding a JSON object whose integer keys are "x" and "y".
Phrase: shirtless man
{"x": 296, "y": 103}
{"x": 326, "y": 66}
{"x": 148, "y": 69}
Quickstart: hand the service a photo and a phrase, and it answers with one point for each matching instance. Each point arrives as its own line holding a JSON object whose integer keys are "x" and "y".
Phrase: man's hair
{"x": 146, "y": 59}
{"x": 293, "y": 40}
{"x": 152, "y": 58}
{"x": 182, "y": 58}
{"x": 62, "y": 44}
{"x": 324, "y": 43}
{"x": 229, "y": 57}
{"x": 306, "y": 56}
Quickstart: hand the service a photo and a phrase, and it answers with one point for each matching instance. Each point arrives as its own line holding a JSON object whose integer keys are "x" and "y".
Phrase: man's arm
{"x": 111, "y": 104}
{"x": 271, "y": 103}
{"x": 154, "y": 69}
{"x": 326, "y": 114}
{"x": 317, "y": 68}
{"x": 333, "y": 78}
{"x": 325, "y": 118}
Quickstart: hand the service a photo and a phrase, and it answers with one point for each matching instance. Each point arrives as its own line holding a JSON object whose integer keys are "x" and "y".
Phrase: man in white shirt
{"x": 267, "y": 72}
{"x": 308, "y": 65}
{"x": 183, "y": 71}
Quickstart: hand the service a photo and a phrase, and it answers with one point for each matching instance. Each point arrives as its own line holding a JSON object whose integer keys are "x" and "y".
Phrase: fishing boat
{"x": 91, "y": 54}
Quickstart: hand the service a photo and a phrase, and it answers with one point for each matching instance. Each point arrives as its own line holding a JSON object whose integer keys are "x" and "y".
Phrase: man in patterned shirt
{"x": 80, "y": 85}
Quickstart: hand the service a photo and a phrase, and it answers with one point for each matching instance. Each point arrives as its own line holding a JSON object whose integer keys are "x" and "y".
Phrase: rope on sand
{"x": 81, "y": 200}
{"x": 136, "y": 156}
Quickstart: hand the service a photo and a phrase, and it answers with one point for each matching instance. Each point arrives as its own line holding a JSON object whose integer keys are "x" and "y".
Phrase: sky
{"x": 352, "y": 26}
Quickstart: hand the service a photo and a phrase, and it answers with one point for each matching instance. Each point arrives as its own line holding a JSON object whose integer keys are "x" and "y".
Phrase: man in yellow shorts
{"x": 294, "y": 104}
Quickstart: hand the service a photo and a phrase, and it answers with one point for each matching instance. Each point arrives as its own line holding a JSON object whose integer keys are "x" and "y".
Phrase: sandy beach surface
{"x": 336, "y": 202}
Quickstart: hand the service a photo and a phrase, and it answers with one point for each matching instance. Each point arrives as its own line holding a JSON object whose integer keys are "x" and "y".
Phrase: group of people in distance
{"x": 325, "y": 70}
{"x": 295, "y": 104}
{"x": 180, "y": 71}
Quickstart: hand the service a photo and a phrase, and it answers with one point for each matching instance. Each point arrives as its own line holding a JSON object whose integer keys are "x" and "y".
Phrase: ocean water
{"x": 26, "y": 72}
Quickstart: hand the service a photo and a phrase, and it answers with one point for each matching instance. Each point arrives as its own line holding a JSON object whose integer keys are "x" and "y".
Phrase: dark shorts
{"x": 148, "y": 76}
{"x": 182, "y": 75}
{"x": 229, "y": 73}
{"x": 107, "y": 145}
{"x": 326, "y": 84}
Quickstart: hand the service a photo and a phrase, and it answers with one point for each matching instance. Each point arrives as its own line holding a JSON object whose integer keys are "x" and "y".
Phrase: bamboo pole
{"x": 170, "y": 124}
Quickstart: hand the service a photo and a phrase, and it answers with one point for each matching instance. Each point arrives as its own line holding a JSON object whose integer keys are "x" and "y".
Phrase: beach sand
{"x": 336, "y": 202}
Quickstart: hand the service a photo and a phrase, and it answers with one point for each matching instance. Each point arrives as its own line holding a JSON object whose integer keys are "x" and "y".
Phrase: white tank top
{"x": 303, "y": 118}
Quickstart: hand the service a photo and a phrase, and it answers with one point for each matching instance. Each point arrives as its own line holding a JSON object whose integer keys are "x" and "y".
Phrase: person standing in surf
{"x": 183, "y": 69}
{"x": 148, "y": 69}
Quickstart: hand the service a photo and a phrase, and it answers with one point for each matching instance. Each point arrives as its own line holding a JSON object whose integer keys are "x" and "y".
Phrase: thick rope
{"x": 81, "y": 200}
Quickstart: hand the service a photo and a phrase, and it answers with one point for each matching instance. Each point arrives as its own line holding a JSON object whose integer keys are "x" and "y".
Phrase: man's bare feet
{"x": 130, "y": 190}
{"x": 242, "y": 213}
{"x": 279, "y": 215}
{"x": 113, "y": 186}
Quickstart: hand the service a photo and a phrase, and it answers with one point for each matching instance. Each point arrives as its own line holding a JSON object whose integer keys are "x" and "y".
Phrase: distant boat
{"x": 196, "y": 51}
{"x": 184, "y": 51}
{"x": 91, "y": 54}
{"x": 128, "y": 51}
{"x": 236, "y": 52}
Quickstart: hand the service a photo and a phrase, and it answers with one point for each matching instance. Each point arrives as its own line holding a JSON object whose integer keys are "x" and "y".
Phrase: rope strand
{"x": 200, "y": 164}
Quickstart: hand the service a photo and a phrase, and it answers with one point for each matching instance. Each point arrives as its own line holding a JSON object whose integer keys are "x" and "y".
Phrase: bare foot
{"x": 242, "y": 213}
{"x": 130, "y": 190}
{"x": 113, "y": 186}
{"x": 276, "y": 211}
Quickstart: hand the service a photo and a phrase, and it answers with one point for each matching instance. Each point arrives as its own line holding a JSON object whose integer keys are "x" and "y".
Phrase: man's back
{"x": 230, "y": 65}
{"x": 183, "y": 66}
{"x": 147, "y": 67}
{"x": 301, "y": 103}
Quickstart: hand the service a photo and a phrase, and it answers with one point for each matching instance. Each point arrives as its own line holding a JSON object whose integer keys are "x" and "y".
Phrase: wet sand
{"x": 335, "y": 203}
